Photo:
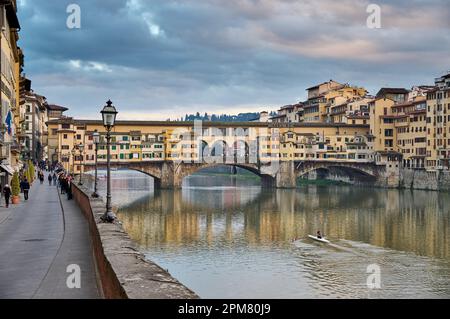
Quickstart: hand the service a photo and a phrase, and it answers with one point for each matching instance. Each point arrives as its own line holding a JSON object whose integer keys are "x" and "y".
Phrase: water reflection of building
{"x": 412, "y": 221}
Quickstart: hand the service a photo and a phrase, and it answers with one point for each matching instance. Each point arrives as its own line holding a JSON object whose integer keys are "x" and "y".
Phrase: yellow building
{"x": 314, "y": 109}
{"x": 411, "y": 131}
{"x": 289, "y": 114}
{"x": 438, "y": 129}
{"x": 338, "y": 102}
{"x": 328, "y": 102}
{"x": 11, "y": 62}
{"x": 382, "y": 124}
{"x": 383, "y": 118}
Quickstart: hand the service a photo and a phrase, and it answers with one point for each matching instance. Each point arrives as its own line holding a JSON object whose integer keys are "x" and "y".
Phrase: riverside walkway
{"x": 39, "y": 239}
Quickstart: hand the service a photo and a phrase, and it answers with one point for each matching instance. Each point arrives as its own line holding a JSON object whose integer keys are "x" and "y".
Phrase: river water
{"x": 226, "y": 237}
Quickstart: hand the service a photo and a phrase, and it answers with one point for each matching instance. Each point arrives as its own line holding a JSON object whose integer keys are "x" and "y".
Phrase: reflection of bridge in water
{"x": 185, "y": 216}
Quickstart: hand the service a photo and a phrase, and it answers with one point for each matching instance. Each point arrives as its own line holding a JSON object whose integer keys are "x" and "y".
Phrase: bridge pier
{"x": 286, "y": 177}
{"x": 171, "y": 176}
{"x": 278, "y": 175}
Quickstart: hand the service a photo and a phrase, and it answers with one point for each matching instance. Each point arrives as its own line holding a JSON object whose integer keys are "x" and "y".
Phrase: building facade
{"x": 438, "y": 128}
{"x": 11, "y": 64}
{"x": 32, "y": 138}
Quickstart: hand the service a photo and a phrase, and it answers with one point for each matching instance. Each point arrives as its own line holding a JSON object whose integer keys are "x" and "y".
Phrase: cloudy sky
{"x": 157, "y": 59}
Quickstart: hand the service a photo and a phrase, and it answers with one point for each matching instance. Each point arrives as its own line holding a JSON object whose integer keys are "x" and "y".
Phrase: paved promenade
{"x": 38, "y": 240}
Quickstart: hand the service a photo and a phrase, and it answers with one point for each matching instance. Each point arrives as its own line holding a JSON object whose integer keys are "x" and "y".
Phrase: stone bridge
{"x": 170, "y": 174}
{"x": 277, "y": 174}
{"x": 366, "y": 172}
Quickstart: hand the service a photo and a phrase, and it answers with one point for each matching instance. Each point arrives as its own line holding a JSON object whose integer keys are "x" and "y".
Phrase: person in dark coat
{"x": 49, "y": 178}
{"x": 7, "y": 194}
{"x": 55, "y": 177}
{"x": 26, "y": 188}
{"x": 61, "y": 184}
{"x": 69, "y": 189}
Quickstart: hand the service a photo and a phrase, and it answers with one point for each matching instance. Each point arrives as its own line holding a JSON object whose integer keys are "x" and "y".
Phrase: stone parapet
{"x": 123, "y": 271}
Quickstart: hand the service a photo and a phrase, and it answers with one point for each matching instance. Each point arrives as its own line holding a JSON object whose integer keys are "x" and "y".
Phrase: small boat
{"x": 322, "y": 240}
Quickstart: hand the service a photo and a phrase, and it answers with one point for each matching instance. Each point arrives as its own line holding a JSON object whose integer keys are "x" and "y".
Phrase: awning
{"x": 7, "y": 168}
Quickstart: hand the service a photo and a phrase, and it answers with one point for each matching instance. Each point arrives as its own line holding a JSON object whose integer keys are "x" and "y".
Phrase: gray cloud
{"x": 170, "y": 57}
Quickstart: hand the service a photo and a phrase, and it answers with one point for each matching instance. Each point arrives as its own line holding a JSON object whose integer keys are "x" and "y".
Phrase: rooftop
{"x": 54, "y": 107}
{"x": 384, "y": 91}
{"x": 318, "y": 85}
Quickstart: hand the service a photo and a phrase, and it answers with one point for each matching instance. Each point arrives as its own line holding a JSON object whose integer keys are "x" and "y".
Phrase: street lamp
{"x": 57, "y": 161}
{"x": 96, "y": 138}
{"x": 109, "y": 114}
{"x": 74, "y": 151}
{"x": 81, "y": 148}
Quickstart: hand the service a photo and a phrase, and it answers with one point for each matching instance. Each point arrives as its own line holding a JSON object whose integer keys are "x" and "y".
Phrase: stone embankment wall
{"x": 421, "y": 179}
{"x": 393, "y": 177}
{"x": 123, "y": 272}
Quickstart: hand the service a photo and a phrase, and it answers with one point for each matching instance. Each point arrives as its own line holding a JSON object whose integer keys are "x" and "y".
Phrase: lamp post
{"x": 96, "y": 138}
{"x": 109, "y": 114}
{"x": 57, "y": 161}
{"x": 81, "y": 148}
{"x": 72, "y": 169}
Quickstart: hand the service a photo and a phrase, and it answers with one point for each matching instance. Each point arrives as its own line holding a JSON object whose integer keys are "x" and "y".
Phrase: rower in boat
{"x": 319, "y": 237}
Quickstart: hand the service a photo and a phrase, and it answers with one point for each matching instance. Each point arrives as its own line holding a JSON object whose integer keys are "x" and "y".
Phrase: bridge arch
{"x": 266, "y": 180}
{"x": 153, "y": 171}
{"x": 359, "y": 172}
{"x": 156, "y": 178}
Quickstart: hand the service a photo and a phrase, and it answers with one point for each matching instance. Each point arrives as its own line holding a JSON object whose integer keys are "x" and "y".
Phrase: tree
{"x": 31, "y": 171}
{"x": 26, "y": 175}
{"x": 15, "y": 184}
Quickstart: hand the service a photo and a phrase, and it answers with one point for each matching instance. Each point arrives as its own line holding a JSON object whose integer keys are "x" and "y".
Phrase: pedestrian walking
{"x": 69, "y": 189}
{"x": 7, "y": 194}
{"x": 50, "y": 179}
{"x": 26, "y": 188}
{"x": 62, "y": 184}
{"x": 54, "y": 179}
{"x": 41, "y": 177}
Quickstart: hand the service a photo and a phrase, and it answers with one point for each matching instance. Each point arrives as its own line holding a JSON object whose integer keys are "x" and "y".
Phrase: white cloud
{"x": 90, "y": 66}
{"x": 75, "y": 64}
{"x": 154, "y": 29}
{"x": 136, "y": 7}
